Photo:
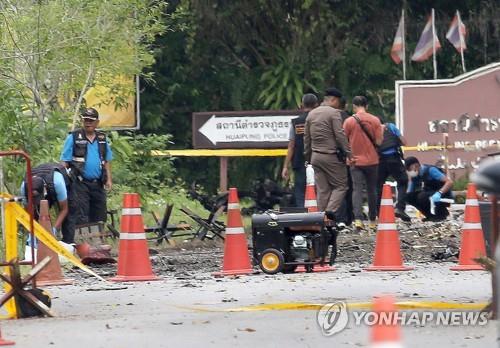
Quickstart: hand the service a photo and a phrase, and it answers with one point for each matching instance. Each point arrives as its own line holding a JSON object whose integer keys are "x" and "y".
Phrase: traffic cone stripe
{"x": 310, "y": 203}
{"x": 472, "y": 202}
{"x": 132, "y": 236}
{"x": 385, "y": 201}
{"x": 131, "y": 211}
{"x": 386, "y": 227}
{"x": 471, "y": 226}
{"x": 233, "y": 206}
{"x": 235, "y": 230}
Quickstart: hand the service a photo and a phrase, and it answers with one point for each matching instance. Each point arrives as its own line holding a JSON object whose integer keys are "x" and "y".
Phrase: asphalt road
{"x": 206, "y": 311}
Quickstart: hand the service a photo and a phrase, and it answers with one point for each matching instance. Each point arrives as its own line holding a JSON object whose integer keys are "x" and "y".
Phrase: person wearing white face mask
{"x": 426, "y": 183}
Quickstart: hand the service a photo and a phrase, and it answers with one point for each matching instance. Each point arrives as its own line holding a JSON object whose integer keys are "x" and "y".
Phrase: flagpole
{"x": 404, "y": 44}
{"x": 434, "y": 63}
{"x": 461, "y": 41}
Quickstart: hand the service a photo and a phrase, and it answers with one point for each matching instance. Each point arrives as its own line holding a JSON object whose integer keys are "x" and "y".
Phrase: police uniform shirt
{"x": 433, "y": 172}
{"x": 92, "y": 168}
{"x": 59, "y": 187}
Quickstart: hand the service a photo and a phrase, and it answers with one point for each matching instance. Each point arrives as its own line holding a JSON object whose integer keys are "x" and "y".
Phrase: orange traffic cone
{"x": 472, "y": 241}
{"x": 133, "y": 256}
{"x": 310, "y": 196}
{"x": 385, "y": 332}
{"x": 51, "y": 274}
{"x": 236, "y": 260}
{"x": 387, "y": 246}
{"x": 5, "y": 342}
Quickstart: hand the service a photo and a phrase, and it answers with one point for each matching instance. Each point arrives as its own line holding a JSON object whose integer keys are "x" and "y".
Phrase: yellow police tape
{"x": 260, "y": 152}
{"x": 298, "y": 306}
{"x": 46, "y": 237}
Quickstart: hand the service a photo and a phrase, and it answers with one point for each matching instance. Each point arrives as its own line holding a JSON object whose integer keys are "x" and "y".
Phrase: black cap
{"x": 410, "y": 160}
{"x": 90, "y": 113}
{"x": 333, "y": 92}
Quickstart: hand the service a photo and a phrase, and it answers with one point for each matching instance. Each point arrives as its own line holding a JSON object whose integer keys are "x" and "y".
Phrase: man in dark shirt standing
{"x": 324, "y": 139}
{"x": 295, "y": 153}
{"x": 391, "y": 164}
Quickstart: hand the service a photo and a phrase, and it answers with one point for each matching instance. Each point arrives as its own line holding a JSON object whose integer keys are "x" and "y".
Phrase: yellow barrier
{"x": 14, "y": 213}
{"x": 263, "y": 152}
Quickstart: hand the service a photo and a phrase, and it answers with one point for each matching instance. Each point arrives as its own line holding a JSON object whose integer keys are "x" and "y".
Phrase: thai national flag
{"x": 424, "y": 45}
{"x": 456, "y": 33}
{"x": 397, "y": 50}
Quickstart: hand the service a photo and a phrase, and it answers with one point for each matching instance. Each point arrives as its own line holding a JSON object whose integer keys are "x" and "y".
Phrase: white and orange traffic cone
{"x": 5, "y": 342}
{"x": 310, "y": 201}
{"x": 385, "y": 333}
{"x": 52, "y": 273}
{"x": 236, "y": 259}
{"x": 133, "y": 256}
{"x": 472, "y": 241}
{"x": 387, "y": 246}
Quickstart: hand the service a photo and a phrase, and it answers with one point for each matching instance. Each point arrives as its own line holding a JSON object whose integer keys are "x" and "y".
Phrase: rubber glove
{"x": 436, "y": 197}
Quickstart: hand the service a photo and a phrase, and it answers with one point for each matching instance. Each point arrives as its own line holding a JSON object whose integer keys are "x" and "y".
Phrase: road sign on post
{"x": 242, "y": 129}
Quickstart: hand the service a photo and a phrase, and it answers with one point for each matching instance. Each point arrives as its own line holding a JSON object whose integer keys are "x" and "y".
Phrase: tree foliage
{"x": 257, "y": 54}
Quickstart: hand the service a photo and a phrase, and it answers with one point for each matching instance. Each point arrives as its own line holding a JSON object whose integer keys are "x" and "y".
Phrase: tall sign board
{"x": 466, "y": 109}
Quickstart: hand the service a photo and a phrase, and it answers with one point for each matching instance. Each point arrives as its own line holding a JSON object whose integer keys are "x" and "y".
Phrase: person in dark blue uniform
{"x": 428, "y": 182}
{"x": 50, "y": 181}
{"x": 391, "y": 165}
{"x": 86, "y": 152}
{"x": 295, "y": 153}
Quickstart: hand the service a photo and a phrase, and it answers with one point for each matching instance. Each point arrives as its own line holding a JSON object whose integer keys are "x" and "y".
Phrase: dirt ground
{"x": 421, "y": 242}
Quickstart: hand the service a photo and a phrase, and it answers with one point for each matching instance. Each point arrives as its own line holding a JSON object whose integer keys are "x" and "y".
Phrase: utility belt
{"x": 91, "y": 181}
{"x": 340, "y": 153}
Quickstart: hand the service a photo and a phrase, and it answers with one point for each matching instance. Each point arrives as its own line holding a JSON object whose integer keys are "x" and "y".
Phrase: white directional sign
{"x": 247, "y": 129}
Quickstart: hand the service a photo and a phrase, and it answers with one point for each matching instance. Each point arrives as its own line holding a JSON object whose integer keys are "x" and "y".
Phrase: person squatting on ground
{"x": 295, "y": 153}
{"x": 326, "y": 148}
{"x": 427, "y": 183}
{"x": 391, "y": 165}
{"x": 364, "y": 132}
{"x": 87, "y": 153}
{"x": 51, "y": 182}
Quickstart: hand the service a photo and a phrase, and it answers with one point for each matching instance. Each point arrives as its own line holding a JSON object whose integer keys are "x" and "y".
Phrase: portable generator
{"x": 283, "y": 241}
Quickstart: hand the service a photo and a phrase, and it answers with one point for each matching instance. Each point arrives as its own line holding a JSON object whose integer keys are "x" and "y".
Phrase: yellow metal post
{"x": 10, "y": 252}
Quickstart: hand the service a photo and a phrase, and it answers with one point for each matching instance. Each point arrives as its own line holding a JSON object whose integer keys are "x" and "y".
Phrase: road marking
{"x": 299, "y": 306}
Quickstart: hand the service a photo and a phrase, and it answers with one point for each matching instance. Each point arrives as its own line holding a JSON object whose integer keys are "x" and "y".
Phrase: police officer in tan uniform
{"x": 327, "y": 149}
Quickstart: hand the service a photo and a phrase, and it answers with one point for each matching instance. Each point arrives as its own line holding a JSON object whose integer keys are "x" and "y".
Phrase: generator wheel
{"x": 271, "y": 261}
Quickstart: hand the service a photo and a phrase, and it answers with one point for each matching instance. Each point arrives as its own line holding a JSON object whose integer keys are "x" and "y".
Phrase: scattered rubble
{"x": 421, "y": 242}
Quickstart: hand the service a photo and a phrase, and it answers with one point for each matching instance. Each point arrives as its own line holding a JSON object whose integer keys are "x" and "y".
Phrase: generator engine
{"x": 301, "y": 245}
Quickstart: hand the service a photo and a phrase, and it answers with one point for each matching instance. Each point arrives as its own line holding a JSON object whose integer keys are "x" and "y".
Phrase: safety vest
{"x": 431, "y": 184}
{"x": 390, "y": 141}
{"x": 80, "y": 142}
{"x": 298, "y": 125}
{"x": 46, "y": 173}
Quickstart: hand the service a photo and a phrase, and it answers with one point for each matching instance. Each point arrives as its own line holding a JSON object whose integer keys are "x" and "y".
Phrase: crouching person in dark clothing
{"x": 428, "y": 183}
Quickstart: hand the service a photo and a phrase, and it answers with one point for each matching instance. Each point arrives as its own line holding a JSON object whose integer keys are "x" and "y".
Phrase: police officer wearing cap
{"x": 86, "y": 152}
{"x": 326, "y": 148}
